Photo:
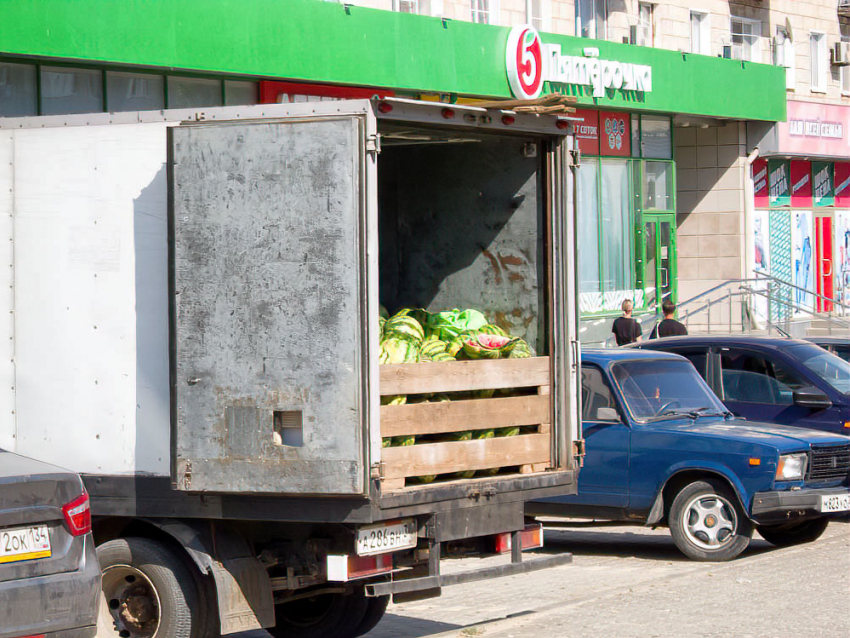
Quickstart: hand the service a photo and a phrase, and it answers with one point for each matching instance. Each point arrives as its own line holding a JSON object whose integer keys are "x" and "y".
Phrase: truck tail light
{"x": 448, "y": 113}
{"x": 563, "y": 124}
{"x": 342, "y": 568}
{"x": 532, "y": 538}
{"x": 507, "y": 120}
{"x": 78, "y": 515}
{"x": 385, "y": 107}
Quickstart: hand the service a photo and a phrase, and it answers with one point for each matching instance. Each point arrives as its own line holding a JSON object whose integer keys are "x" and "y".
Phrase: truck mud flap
{"x": 430, "y": 586}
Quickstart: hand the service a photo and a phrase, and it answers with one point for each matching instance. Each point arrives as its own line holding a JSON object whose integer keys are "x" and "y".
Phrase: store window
{"x": 485, "y": 11}
{"x": 617, "y": 238}
{"x": 422, "y": 7}
{"x": 646, "y": 25}
{"x": 190, "y": 92}
{"x": 783, "y": 55}
{"x": 134, "y": 91}
{"x": 656, "y": 137}
{"x": 237, "y": 93}
{"x": 587, "y": 196}
{"x": 819, "y": 61}
{"x": 18, "y": 93}
{"x": 700, "y": 33}
{"x": 746, "y": 36}
{"x": 658, "y": 186}
{"x": 592, "y": 18}
{"x": 67, "y": 90}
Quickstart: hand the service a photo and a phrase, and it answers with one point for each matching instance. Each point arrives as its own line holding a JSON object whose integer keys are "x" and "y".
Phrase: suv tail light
{"x": 78, "y": 515}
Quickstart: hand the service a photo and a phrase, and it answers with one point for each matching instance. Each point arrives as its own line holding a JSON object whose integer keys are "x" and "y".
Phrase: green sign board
{"x": 779, "y": 182}
{"x": 823, "y": 183}
{"x": 327, "y": 42}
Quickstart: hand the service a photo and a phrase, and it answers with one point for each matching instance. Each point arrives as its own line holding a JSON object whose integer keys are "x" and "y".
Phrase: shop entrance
{"x": 659, "y": 231}
{"x": 824, "y": 273}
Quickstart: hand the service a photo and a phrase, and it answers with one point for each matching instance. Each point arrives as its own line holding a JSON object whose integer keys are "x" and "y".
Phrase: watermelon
{"x": 383, "y": 312}
{"x": 404, "y": 326}
{"x": 509, "y": 431}
{"x": 433, "y": 346}
{"x": 398, "y": 399}
{"x": 521, "y": 350}
{"x": 403, "y": 441}
{"x": 487, "y": 346}
{"x": 493, "y": 329}
{"x": 397, "y": 349}
{"x": 442, "y": 356}
{"x": 454, "y": 347}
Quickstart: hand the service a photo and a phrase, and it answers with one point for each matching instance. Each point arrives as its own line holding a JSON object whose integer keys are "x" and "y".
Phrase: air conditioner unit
{"x": 841, "y": 54}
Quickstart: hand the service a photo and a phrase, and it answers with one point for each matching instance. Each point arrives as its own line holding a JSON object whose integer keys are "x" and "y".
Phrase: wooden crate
{"x": 530, "y": 451}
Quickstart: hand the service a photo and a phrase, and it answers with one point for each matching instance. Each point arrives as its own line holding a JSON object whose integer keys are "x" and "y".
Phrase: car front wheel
{"x": 707, "y": 523}
{"x": 797, "y": 533}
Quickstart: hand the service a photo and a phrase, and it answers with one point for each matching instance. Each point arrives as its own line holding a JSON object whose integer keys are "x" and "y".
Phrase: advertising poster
{"x": 841, "y": 255}
{"x": 842, "y": 184}
{"x": 802, "y": 260}
{"x": 615, "y": 134}
{"x": 761, "y": 255}
{"x": 822, "y": 184}
{"x": 760, "y": 183}
{"x": 801, "y": 184}
{"x": 587, "y": 131}
{"x": 779, "y": 182}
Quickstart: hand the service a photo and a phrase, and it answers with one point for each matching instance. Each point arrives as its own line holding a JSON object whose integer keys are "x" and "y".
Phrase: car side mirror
{"x": 607, "y": 414}
{"x": 812, "y": 398}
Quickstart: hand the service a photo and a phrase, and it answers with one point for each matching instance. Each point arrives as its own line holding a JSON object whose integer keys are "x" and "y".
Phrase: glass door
{"x": 659, "y": 232}
{"x": 825, "y": 273}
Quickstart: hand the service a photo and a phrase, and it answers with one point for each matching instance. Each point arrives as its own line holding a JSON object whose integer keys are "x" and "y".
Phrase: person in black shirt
{"x": 625, "y": 329}
{"x": 668, "y": 327}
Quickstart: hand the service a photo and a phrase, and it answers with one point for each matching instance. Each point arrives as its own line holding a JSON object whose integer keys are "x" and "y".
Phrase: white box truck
{"x": 192, "y": 310}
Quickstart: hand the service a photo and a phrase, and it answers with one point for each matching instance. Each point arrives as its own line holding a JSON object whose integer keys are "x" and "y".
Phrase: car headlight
{"x": 792, "y": 467}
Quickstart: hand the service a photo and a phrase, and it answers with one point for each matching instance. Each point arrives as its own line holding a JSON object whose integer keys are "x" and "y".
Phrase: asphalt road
{"x": 633, "y": 582}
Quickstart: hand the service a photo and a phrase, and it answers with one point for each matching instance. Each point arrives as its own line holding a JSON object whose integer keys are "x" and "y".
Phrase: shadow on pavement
{"x": 636, "y": 544}
{"x": 393, "y": 626}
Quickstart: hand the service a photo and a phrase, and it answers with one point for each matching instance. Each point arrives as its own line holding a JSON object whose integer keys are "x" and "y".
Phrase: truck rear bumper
{"x": 777, "y": 506}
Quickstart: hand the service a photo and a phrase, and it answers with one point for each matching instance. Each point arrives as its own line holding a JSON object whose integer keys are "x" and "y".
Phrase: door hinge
{"x": 187, "y": 475}
{"x": 578, "y": 451}
{"x": 377, "y": 471}
{"x": 373, "y": 143}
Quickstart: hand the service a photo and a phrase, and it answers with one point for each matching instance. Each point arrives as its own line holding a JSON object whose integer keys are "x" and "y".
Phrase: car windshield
{"x": 832, "y": 369}
{"x": 665, "y": 388}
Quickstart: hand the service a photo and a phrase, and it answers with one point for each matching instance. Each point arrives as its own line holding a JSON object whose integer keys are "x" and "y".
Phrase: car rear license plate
{"x": 836, "y": 503}
{"x": 386, "y": 537}
{"x": 24, "y": 543}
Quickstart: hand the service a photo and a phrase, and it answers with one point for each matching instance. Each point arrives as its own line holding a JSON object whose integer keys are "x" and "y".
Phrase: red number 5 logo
{"x": 524, "y": 61}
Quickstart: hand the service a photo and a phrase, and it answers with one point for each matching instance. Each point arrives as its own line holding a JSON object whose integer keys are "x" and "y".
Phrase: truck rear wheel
{"x": 149, "y": 592}
{"x": 375, "y": 609}
{"x": 320, "y": 616}
{"x": 707, "y": 523}
{"x": 798, "y": 533}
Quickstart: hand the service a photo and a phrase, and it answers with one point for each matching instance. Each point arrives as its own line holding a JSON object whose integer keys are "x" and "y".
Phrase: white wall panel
{"x": 7, "y": 295}
{"x": 91, "y": 297}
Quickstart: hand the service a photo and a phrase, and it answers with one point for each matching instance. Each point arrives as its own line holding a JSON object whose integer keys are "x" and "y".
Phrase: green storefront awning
{"x": 310, "y": 40}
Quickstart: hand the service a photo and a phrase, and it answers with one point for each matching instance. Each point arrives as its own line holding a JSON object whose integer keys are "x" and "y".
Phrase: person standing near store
{"x": 668, "y": 327}
{"x": 626, "y": 330}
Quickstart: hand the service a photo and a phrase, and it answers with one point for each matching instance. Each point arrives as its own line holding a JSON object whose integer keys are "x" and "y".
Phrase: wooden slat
{"x": 533, "y": 468}
{"x": 481, "y": 454}
{"x": 460, "y": 376}
{"x": 456, "y": 416}
{"x": 391, "y": 485}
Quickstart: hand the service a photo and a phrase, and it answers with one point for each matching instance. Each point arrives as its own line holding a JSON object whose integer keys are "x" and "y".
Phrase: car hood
{"x": 782, "y": 437}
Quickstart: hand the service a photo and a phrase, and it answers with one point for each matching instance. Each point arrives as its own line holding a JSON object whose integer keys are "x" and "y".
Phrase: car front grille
{"x": 829, "y": 463}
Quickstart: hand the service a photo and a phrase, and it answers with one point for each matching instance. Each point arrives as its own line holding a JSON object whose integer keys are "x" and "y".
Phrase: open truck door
{"x": 268, "y": 330}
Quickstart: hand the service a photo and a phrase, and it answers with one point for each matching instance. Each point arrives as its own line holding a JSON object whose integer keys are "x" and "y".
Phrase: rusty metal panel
{"x": 267, "y": 306}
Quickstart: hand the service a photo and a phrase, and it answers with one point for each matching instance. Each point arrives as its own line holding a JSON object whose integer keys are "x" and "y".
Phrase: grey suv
{"x": 49, "y": 575}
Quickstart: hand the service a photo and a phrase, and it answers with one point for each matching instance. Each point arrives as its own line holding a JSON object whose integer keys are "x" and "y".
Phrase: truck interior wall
{"x": 462, "y": 226}
{"x": 7, "y": 293}
{"x": 90, "y": 332}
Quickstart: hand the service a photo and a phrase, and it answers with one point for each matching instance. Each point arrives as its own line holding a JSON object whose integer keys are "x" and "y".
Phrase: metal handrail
{"x": 760, "y": 276}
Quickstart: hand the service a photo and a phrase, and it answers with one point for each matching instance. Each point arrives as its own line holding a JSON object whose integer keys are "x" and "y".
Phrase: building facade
{"x": 665, "y": 92}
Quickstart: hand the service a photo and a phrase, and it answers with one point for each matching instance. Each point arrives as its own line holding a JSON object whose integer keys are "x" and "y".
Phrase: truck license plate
{"x": 387, "y": 537}
{"x": 24, "y": 543}
{"x": 837, "y": 503}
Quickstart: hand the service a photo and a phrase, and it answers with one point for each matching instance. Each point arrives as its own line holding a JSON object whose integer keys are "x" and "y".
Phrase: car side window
{"x": 595, "y": 393}
{"x": 698, "y": 357}
{"x": 751, "y": 377}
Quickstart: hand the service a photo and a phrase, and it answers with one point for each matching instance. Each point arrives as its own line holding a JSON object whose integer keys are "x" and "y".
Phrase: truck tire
{"x": 798, "y": 533}
{"x": 149, "y": 591}
{"x": 320, "y": 616}
{"x": 707, "y": 523}
{"x": 375, "y": 609}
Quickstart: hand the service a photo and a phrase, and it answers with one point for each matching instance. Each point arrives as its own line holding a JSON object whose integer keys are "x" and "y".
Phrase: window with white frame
{"x": 819, "y": 61}
{"x": 845, "y": 70}
{"x": 645, "y": 25}
{"x": 700, "y": 33}
{"x": 536, "y": 13}
{"x": 746, "y": 36}
{"x": 485, "y": 11}
{"x": 592, "y": 18}
{"x": 783, "y": 55}
{"x": 422, "y": 7}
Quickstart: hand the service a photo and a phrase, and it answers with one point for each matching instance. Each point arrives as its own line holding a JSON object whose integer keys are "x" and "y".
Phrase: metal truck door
{"x": 269, "y": 366}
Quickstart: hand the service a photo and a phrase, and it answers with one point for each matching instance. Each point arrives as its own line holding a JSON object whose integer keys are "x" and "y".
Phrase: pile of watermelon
{"x": 416, "y": 335}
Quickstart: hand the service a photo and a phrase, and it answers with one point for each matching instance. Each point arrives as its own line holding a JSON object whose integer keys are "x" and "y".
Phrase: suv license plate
{"x": 837, "y": 503}
{"x": 24, "y": 543}
{"x": 387, "y": 537}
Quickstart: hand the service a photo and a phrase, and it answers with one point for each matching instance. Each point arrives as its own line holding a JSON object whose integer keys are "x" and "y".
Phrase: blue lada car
{"x": 661, "y": 449}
